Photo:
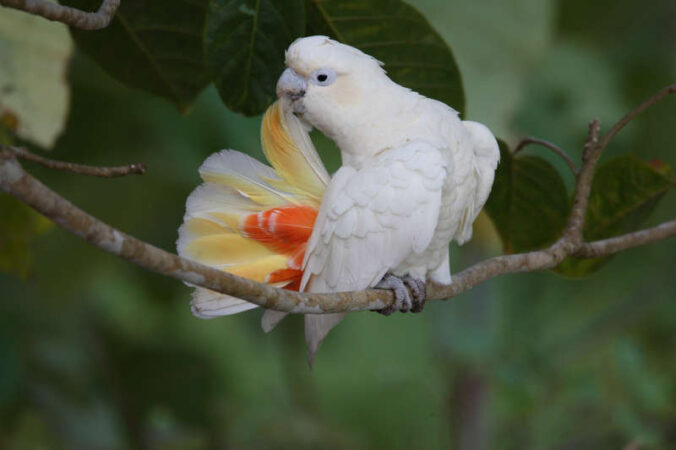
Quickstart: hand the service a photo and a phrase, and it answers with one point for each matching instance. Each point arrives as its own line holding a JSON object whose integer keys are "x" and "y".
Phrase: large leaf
{"x": 529, "y": 203}
{"x": 414, "y": 54}
{"x": 34, "y": 96}
{"x": 244, "y": 45}
{"x": 153, "y": 45}
{"x": 624, "y": 193}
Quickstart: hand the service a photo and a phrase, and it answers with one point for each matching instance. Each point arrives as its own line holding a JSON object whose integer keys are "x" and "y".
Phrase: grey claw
{"x": 387, "y": 311}
{"x": 417, "y": 288}
{"x": 402, "y": 299}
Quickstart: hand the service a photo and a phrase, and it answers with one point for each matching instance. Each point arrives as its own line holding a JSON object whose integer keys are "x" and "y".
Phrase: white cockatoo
{"x": 413, "y": 178}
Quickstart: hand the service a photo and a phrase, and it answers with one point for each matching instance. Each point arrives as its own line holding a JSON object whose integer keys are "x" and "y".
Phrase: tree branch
{"x": 15, "y": 181}
{"x": 572, "y": 234}
{"x": 65, "y": 14}
{"x": 96, "y": 171}
{"x": 524, "y": 142}
{"x": 626, "y": 241}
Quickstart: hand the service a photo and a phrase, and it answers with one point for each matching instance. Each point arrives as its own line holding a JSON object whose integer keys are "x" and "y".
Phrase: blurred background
{"x": 96, "y": 353}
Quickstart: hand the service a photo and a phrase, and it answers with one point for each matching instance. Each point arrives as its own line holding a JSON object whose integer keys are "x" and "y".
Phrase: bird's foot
{"x": 409, "y": 293}
{"x": 417, "y": 288}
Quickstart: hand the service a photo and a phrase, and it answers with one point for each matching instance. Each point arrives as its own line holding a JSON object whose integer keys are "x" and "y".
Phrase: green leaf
{"x": 244, "y": 44}
{"x": 529, "y": 203}
{"x": 624, "y": 193}
{"x": 153, "y": 45}
{"x": 395, "y": 33}
{"x": 34, "y": 95}
{"x": 19, "y": 225}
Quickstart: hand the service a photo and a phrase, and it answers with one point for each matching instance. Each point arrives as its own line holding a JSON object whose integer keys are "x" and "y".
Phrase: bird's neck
{"x": 382, "y": 125}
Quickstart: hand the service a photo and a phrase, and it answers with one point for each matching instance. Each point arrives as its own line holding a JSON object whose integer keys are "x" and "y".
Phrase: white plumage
{"x": 414, "y": 176}
{"x": 375, "y": 217}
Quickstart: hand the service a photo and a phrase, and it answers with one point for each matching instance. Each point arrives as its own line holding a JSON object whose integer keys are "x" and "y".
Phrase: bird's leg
{"x": 409, "y": 293}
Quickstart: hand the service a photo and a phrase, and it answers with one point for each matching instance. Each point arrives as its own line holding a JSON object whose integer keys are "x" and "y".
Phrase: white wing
{"x": 369, "y": 222}
{"x": 486, "y": 157}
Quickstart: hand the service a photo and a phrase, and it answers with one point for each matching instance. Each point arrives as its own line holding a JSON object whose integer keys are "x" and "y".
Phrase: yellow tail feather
{"x": 235, "y": 186}
{"x": 287, "y": 146}
{"x": 225, "y": 249}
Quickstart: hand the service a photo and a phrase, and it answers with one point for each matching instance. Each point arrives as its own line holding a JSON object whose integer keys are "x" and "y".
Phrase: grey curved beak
{"x": 291, "y": 84}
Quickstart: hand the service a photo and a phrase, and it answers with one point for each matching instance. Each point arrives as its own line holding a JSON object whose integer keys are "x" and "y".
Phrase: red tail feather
{"x": 285, "y": 230}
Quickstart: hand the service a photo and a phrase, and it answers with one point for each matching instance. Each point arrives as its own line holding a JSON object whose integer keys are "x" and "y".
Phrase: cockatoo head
{"x": 330, "y": 84}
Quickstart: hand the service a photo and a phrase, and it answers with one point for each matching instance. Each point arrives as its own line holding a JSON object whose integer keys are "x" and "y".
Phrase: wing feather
{"x": 369, "y": 222}
{"x": 486, "y": 157}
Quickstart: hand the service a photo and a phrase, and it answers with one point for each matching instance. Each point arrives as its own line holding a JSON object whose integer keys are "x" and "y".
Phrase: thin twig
{"x": 592, "y": 139}
{"x": 553, "y": 147}
{"x": 626, "y": 241}
{"x": 65, "y": 14}
{"x": 671, "y": 89}
{"x": 572, "y": 234}
{"x": 103, "y": 172}
{"x": 593, "y": 147}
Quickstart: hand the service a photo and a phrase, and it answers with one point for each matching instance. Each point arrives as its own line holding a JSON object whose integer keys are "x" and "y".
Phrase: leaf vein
{"x": 149, "y": 56}
{"x": 252, "y": 40}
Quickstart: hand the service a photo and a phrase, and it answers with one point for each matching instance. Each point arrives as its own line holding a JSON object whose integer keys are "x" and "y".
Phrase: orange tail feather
{"x": 285, "y": 230}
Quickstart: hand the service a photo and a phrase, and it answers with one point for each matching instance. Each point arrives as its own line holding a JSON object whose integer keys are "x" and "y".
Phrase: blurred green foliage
{"x": 97, "y": 353}
{"x": 18, "y": 227}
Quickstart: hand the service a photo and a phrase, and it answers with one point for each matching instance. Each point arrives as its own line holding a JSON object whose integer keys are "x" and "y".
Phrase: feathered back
{"x": 253, "y": 220}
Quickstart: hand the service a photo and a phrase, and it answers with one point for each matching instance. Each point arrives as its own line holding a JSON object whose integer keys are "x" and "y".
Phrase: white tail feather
{"x": 207, "y": 304}
{"x": 234, "y": 166}
{"x": 271, "y": 318}
{"x": 232, "y": 162}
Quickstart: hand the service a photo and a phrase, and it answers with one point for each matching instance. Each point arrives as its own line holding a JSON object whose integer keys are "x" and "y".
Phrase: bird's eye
{"x": 323, "y": 77}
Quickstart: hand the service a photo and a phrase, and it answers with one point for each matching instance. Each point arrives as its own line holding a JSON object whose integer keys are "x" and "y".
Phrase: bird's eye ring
{"x": 323, "y": 77}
